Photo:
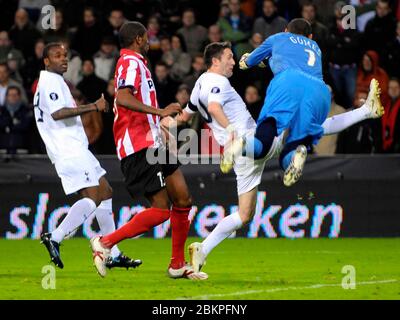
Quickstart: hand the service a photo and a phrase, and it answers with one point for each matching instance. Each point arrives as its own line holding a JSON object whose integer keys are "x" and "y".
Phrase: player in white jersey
{"x": 60, "y": 126}
{"x": 226, "y": 114}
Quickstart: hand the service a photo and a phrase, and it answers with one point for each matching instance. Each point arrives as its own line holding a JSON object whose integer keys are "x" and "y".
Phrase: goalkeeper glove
{"x": 242, "y": 63}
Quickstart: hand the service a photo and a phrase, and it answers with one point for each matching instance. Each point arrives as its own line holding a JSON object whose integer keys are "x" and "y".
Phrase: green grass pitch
{"x": 238, "y": 269}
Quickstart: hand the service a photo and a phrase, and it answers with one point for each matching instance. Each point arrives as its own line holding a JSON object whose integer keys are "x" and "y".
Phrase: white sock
{"x": 104, "y": 216}
{"x": 223, "y": 230}
{"x": 78, "y": 213}
{"x": 342, "y": 121}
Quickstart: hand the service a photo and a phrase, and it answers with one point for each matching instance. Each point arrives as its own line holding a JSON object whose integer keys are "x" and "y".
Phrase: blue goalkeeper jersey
{"x": 286, "y": 50}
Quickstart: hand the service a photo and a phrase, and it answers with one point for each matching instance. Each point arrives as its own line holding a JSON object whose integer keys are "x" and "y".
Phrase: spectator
{"x": 88, "y": 36}
{"x": 14, "y": 68}
{"x": 391, "y": 55}
{"x": 255, "y": 40}
{"x": 270, "y": 22}
{"x": 391, "y": 119}
{"x": 106, "y": 58}
{"x": 253, "y": 101}
{"x": 319, "y": 31}
{"x": 259, "y": 77}
{"x": 193, "y": 34}
{"x": 343, "y": 54}
{"x": 73, "y": 74}
{"x": 6, "y": 82}
{"x": 327, "y": 145}
{"x": 7, "y": 49}
{"x": 364, "y": 137}
{"x": 198, "y": 67}
{"x": 33, "y": 8}
{"x": 287, "y": 9}
{"x": 236, "y": 28}
{"x": 182, "y": 97}
{"x": 60, "y": 32}
{"x": 165, "y": 86}
{"x": 214, "y": 34}
{"x": 115, "y": 20}
{"x": 325, "y": 11}
{"x": 224, "y": 8}
{"x": 34, "y": 65}
{"x": 105, "y": 143}
{"x": 368, "y": 70}
{"x": 15, "y": 120}
{"x": 23, "y": 33}
{"x": 91, "y": 86}
{"x": 176, "y": 58}
{"x": 154, "y": 36}
{"x": 381, "y": 29}
{"x": 365, "y": 11}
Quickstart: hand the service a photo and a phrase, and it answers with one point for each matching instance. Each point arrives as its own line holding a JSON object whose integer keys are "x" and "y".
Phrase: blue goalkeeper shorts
{"x": 298, "y": 102}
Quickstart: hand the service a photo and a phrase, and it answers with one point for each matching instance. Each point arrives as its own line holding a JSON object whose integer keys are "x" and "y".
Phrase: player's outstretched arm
{"x": 170, "y": 122}
{"x": 64, "y": 113}
{"x": 263, "y": 52}
{"x": 126, "y": 99}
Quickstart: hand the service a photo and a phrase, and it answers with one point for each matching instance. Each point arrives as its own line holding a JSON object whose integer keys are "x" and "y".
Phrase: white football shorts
{"x": 81, "y": 171}
{"x": 249, "y": 171}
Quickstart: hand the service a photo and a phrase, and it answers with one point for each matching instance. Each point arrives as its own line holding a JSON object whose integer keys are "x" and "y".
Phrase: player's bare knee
{"x": 245, "y": 217}
{"x": 183, "y": 202}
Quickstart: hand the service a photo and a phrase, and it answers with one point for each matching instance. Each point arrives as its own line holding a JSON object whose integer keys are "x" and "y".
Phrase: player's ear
{"x": 310, "y": 36}
{"x": 46, "y": 61}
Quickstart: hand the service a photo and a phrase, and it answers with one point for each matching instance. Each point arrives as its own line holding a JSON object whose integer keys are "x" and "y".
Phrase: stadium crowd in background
{"x": 178, "y": 33}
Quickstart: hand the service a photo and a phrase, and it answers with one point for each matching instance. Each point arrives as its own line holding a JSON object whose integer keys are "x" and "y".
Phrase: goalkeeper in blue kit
{"x": 297, "y": 101}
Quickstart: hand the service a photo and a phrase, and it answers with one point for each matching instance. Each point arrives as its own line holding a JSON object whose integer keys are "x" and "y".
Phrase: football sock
{"x": 342, "y": 121}
{"x": 180, "y": 228}
{"x": 140, "y": 223}
{"x": 223, "y": 230}
{"x": 75, "y": 217}
{"x": 104, "y": 216}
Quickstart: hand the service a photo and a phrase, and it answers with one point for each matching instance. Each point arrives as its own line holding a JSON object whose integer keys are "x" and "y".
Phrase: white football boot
{"x": 186, "y": 272}
{"x": 100, "y": 255}
{"x": 373, "y": 101}
{"x": 197, "y": 257}
{"x": 295, "y": 168}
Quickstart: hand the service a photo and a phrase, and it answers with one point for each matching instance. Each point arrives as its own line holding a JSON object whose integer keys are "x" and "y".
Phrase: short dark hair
{"x": 48, "y": 47}
{"x": 129, "y": 32}
{"x": 300, "y": 26}
{"x": 309, "y": 4}
{"x": 215, "y": 50}
{"x": 395, "y": 79}
{"x": 13, "y": 88}
{"x": 162, "y": 64}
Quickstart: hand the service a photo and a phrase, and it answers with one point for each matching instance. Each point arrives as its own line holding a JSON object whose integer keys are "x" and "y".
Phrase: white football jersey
{"x": 212, "y": 87}
{"x": 63, "y": 138}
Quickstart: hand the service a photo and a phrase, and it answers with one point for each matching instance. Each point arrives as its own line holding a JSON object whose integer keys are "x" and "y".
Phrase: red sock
{"x": 180, "y": 228}
{"x": 140, "y": 223}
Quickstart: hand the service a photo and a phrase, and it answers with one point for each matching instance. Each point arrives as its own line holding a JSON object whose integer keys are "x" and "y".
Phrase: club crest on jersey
{"x": 53, "y": 96}
{"x": 121, "y": 83}
{"x": 215, "y": 90}
{"x": 87, "y": 178}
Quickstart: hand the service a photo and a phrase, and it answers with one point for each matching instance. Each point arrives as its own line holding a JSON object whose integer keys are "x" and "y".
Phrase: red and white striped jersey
{"x": 134, "y": 131}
